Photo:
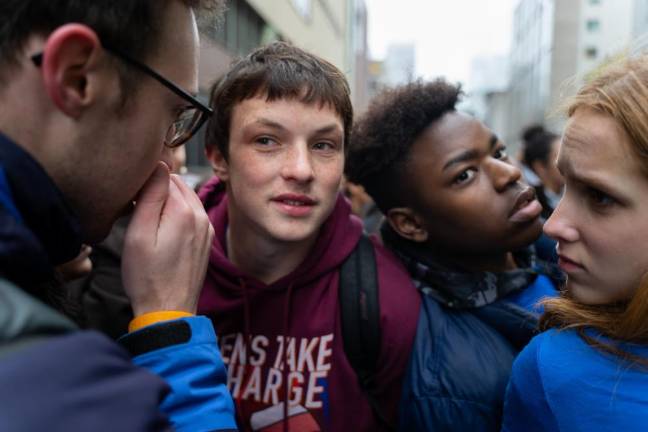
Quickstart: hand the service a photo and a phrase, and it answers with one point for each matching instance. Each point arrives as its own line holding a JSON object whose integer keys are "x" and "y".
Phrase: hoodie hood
{"x": 337, "y": 238}
{"x": 257, "y": 315}
{"x": 283, "y": 343}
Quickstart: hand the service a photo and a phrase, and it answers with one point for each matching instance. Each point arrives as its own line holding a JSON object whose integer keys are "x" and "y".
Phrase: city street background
{"x": 517, "y": 60}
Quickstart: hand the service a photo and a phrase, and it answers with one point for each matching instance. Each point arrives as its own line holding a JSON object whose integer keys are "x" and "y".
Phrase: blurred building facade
{"x": 333, "y": 29}
{"x": 487, "y": 96}
{"x": 399, "y": 64}
{"x": 640, "y": 27}
{"x": 556, "y": 44}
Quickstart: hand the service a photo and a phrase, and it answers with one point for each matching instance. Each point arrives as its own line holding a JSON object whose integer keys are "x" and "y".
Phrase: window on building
{"x": 304, "y": 8}
{"x": 591, "y": 53}
{"x": 243, "y": 29}
{"x": 593, "y": 25}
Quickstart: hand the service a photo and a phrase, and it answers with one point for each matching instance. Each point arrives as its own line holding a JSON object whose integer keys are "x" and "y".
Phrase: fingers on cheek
{"x": 188, "y": 195}
{"x": 191, "y": 200}
{"x": 179, "y": 210}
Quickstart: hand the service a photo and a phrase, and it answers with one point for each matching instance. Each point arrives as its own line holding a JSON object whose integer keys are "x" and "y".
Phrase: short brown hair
{"x": 620, "y": 91}
{"x": 277, "y": 71}
{"x": 133, "y": 27}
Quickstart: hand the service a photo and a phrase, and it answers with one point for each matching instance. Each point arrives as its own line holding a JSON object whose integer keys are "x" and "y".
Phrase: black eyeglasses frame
{"x": 37, "y": 59}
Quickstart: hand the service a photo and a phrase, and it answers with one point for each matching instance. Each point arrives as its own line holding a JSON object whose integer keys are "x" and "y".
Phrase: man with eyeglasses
{"x": 93, "y": 96}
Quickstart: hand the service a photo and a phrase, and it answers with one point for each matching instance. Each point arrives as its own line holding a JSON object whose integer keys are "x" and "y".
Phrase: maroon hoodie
{"x": 289, "y": 331}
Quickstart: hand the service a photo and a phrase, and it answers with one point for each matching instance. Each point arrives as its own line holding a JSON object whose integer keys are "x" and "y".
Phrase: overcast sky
{"x": 447, "y": 34}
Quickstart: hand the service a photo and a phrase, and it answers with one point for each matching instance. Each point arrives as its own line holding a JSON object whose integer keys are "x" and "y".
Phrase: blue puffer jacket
{"x": 471, "y": 327}
{"x": 57, "y": 378}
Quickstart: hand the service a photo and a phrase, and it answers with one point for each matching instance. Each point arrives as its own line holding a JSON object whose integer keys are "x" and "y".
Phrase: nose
{"x": 298, "y": 165}
{"x": 560, "y": 225}
{"x": 503, "y": 174}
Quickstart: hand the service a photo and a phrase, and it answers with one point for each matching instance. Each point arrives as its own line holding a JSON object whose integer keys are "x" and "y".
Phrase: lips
{"x": 526, "y": 207}
{"x": 294, "y": 200}
{"x": 567, "y": 264}
{"x": 295, "y": 205}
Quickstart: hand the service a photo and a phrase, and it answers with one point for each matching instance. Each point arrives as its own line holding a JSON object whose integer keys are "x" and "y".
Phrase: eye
{"x": 500, "y": 153}
{"x": 265, "y": 141}
{"x": 324, "y": 146}
{"x": 465, "y": 176}
{"x": 599, "y": 198}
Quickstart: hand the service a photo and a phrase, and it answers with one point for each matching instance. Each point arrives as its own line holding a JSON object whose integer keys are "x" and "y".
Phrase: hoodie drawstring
{"x": 286, "y": 323}
{"x": 247, "y": 343}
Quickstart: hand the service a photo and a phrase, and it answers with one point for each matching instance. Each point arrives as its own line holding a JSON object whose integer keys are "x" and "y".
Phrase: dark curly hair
{"x": 381, "y": 140}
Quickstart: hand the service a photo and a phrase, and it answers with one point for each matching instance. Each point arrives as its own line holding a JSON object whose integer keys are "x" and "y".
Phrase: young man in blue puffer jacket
{"x": 462, "y": 221}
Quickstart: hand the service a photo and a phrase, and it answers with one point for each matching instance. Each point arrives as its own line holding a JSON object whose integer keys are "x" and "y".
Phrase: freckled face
{"x": 285, "y": 166}
{"x": 600, "y": 224}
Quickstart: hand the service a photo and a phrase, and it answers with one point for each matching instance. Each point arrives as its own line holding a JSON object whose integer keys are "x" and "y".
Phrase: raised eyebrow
{"x": 463, "y": 157}
{"x": 269, "y": 123}
{"x": 328, "y": 128}
{"x": 470, "y": 154}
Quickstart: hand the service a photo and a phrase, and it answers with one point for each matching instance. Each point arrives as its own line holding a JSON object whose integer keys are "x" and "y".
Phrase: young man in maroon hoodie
{"x": 277, "y": 144}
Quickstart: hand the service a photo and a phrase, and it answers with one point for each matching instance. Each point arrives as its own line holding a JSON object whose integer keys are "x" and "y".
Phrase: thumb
{"x": 151, "y": 199}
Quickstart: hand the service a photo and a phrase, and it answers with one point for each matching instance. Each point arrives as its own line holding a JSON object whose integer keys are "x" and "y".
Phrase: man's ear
{"x": 407, "y": 223}
{"x": 218, "y": 162}
{"x": 70, "y": 55}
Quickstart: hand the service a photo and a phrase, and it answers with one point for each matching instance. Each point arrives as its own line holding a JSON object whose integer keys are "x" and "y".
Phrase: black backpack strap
{"x": 360, "y": 314}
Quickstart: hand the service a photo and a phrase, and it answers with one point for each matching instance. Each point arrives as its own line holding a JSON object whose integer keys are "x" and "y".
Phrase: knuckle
{"x": 186, "y": 213}
{"x": 134, "y": 239}
{"x": 202, "y": 221}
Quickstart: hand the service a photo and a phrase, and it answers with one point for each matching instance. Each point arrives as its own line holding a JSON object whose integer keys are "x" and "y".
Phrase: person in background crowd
{"x": 364, "y": 207}
{"x": 277, "y": 144}
{"x": 540, "y": 155}
{"x": 528, "y": 134}
{"x": 538, "y": 165}
{"x": 460, "y": 218}
{"x": 589, "y": 370}
{"x": 86, "y": 126}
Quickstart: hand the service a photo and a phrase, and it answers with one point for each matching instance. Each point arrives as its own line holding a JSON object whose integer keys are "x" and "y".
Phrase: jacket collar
{"x": 38, "y": 228}
{"x": 455, "y": 288}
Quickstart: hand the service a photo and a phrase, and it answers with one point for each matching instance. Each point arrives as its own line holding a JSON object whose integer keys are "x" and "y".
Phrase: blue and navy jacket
{"x": 471, "y": 327}
{"x": 56, "y": 377}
